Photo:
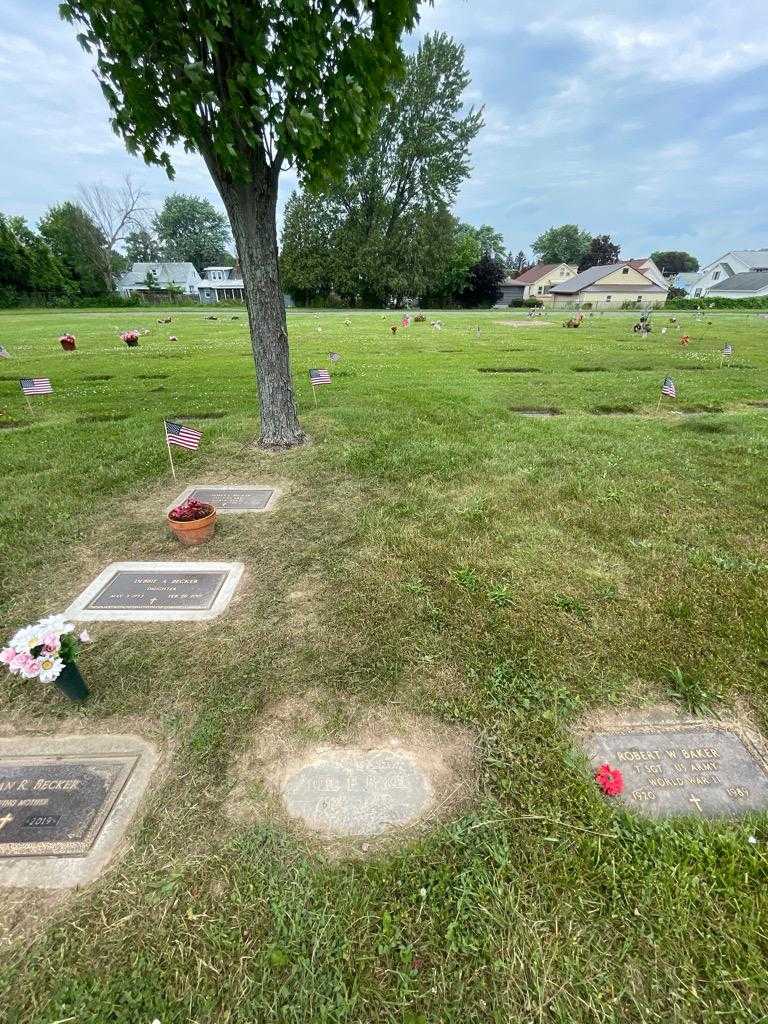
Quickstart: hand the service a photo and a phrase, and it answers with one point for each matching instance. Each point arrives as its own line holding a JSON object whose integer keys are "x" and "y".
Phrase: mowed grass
{"x": 438, "y": 551}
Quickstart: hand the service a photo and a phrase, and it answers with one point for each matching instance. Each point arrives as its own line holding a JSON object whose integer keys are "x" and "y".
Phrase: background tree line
{"x": 81, "y": 247}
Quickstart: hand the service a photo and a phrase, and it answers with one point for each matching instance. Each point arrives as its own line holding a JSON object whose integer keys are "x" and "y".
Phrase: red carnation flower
{"x": 610, "y": 780}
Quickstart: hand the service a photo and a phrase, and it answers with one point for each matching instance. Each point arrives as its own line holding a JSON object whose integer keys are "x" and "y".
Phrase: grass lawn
{"x": 436, "y": 553}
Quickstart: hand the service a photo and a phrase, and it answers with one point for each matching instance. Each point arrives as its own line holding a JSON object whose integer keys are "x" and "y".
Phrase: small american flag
{"x": 36, "y": 386}
{"x": 4, "y": 353}
{"x": 728, "y": 350}
{"x": 334, "y": 357}
{"x": 319, "y": 377}
{"x": 668, "y": 388}
{"x": 184, "y": 437}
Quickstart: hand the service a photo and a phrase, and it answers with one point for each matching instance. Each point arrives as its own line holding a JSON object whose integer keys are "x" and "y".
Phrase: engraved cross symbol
{"x": 5, "y": 821}
{"x": 695, "y": 800}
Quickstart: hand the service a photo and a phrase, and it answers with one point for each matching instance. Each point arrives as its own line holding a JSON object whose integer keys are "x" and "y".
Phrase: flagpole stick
{"x": 170, "y": 456}
{"x": 29, "y": 405}
{"x": 659, "y": 405}
{"x": 314, "y": 393}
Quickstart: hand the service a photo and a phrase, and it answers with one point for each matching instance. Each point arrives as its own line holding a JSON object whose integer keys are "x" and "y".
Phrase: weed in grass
{"x": 500, "y": 595}
{"x": 467, "y": 578}
{"x": 691, "y": 692}
{"x": 572, "y": 605}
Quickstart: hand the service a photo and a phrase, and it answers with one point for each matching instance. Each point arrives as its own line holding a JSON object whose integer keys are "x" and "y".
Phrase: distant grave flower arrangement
{"x": 44, "y": 650}
{"x": 610, "y": 780}
{"x": 131, "y": 338}
{"x": 67, "y": 342}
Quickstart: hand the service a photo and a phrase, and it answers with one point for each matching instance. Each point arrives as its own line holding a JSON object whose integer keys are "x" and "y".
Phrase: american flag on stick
{"x": 184, "y": 437}
{"x": 728, "y": 350}
{"x": 36, "y": 386}
{"x": 668, "y": 388}
{"x": 319, "y": 377}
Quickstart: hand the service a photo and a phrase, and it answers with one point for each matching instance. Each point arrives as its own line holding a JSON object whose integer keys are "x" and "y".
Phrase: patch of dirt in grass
{"x": 536, "y": 410}
{"x": 694, "y": 409}
{"x": 198, "y": 415}
{"x": 508, "y": 369}
{"x": 98, "y": 376}
{"x": 706, "y": 426}
{"x": 151, "y": 376}
{"x": 758, "y": 405}
{"x": 590, "y": 369}
{"x": 640, "y": 369}
{"x": 14, "y": 424}
{"x": 314, "y": 725}
{"x": 106, "y": 417}
{"x": 525, "y": 323}
{"x": 612, "y": 410}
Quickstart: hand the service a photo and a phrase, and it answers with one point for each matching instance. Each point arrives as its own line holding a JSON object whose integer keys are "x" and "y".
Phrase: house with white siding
{"x": 608, "y": 287}
{"x": 160, "y": 276}
{"x": 738, "y": 261}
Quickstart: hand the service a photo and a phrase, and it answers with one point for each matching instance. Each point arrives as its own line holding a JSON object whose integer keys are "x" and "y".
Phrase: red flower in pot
{"x": 193, "y": 522}
{"x": 67, "y": 342}
{"x": 131, "y": 338}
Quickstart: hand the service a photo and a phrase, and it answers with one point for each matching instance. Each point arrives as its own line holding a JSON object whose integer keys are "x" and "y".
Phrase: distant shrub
{"x": 711, "y": 302}
{"x": 525, "y": 303}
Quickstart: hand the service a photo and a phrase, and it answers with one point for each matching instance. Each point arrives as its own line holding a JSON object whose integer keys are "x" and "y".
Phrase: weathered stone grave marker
{"x": 231, "y": 499}
{"x": 64, "y": 804}
{"x": 357, "y": 792}
{"x": 158, "y": 592}
{"x": 705, "y": 769}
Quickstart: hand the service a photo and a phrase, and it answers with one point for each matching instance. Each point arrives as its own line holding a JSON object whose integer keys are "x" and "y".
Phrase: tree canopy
{"x": 675, "y": 262}
{"x": 565, "y": 244}
{"x": 78, "y": 244}
{"x": 600, "y": 253}
{"x": 384, "y": 231}
{"x": 190, "y": 229}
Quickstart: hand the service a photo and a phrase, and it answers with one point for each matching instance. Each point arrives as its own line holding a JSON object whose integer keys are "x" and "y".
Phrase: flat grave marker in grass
{"x": 357, "y": 792}
{"x": 65, "y": 802}
{"x": 230, "y": 499}
{"x": 670, "y": 769}
{"x": 158, "y": 592}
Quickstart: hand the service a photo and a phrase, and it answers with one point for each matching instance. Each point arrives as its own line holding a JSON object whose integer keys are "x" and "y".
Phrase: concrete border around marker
{"x": 34, "y": 872}
{"x": 79, "y": 610}
{"x": 231, "y": 487}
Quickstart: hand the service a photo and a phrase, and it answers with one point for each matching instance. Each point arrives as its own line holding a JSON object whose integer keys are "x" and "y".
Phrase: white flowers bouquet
{"x": 44, "y": 650}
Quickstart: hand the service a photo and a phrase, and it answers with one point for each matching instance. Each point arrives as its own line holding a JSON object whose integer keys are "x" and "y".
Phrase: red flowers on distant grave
{"x": 610, "y": 780}
{"x": 67, "y": 342}
{"x": 190, "y": 510}
{"x": 131, "y": 338}
{"x": 685, "y": 340}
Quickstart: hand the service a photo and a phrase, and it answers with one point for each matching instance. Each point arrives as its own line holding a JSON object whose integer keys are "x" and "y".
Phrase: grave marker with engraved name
{"x": 230, "y": 498}
{"x": 158, "y": 591}
{"x": 53, "y": 806}
{"x": 670, "y": 770}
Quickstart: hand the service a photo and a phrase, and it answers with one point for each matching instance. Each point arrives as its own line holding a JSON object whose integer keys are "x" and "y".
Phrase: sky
{"x": 641, "y": 119}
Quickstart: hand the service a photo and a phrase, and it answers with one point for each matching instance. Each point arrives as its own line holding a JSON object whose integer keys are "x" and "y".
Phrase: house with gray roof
{"x": 742, "y": 286}
{"x": 609, "y": 286}
{"x": 160, "y": 276}
{"x": 739, "y": 261}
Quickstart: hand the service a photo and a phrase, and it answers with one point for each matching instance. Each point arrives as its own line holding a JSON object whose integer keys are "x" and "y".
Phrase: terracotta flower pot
{"x": 196, "y": 531}
{"x": 132, "y": 342}
{"x": 67, "y": 344}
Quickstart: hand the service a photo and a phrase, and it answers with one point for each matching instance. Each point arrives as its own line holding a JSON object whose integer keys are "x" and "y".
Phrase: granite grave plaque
{"x": 230, "y": 499}
{"x": 357, "y": 793}
{"x": 161, "y": 591}
{"x": 57, "y": 805}
{"x": 65, "y": 803}
{"x": 709, "y": 770}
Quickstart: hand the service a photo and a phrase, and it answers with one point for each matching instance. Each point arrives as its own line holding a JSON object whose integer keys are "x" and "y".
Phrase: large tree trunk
{"x": 251, "y": 209}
